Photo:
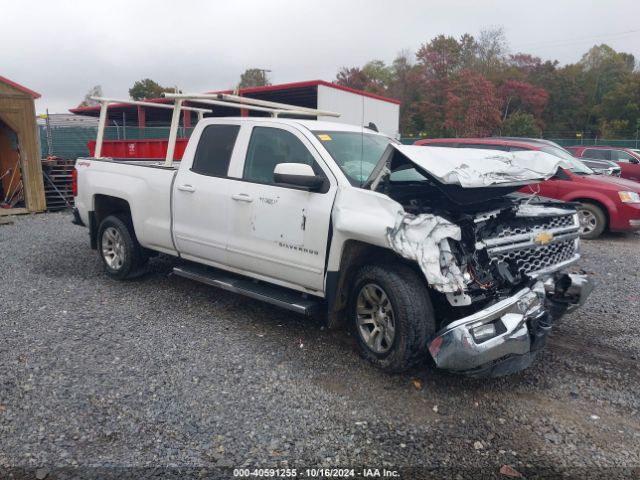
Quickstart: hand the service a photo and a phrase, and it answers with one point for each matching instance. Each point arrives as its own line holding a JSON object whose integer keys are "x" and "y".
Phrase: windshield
{"x": 356, "y": 153}
{"x": 575, "y": 165}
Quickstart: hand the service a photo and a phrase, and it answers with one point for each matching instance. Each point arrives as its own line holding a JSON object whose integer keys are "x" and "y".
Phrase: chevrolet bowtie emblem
{"x": 543, "y": 238}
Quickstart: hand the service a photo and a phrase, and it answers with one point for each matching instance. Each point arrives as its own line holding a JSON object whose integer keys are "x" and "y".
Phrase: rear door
{"x": 280, "y": 233}
{"x": 202, "y": 196}
{"x": 629, "y": 166}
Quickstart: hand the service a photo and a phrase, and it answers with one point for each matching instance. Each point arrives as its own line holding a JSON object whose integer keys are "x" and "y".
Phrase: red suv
{"x": 605, "y": 202}
{"x": 627, "y": 158}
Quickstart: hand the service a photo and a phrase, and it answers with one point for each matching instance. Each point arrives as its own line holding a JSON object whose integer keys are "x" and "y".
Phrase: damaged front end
{"x": 506, "y": 336}
{"x": 492, "y": 259}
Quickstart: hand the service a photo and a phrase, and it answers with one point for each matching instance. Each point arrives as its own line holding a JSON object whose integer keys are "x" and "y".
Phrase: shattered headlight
{"x": 629, "y": 197}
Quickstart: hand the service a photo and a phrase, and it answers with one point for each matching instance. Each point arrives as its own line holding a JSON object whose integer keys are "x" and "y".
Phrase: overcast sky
{"x": 63, "y": 48}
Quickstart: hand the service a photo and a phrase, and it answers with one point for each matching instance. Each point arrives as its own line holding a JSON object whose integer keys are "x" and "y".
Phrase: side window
{"x": 598, "y": 154}
{"x": 270, "y": 146}
{"x": 620, "y": 156}
{"x": 519, "y": 149}
{"x": 214, "y": 150}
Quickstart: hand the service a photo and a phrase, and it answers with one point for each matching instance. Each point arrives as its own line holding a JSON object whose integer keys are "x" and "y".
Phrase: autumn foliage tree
{"x": 455, "y": 86}
{"x": 473, "y": 107}
{"x": 522, "y": 97}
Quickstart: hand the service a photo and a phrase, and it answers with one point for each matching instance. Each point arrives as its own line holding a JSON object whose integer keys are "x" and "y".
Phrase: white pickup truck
{"x": 420, "y": 251}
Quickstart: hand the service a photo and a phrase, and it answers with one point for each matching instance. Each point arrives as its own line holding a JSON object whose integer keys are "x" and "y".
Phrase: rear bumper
{"x": 521, "y": 322}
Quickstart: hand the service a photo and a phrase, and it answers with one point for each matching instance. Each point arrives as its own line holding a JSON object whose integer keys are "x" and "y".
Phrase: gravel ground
{"x": 165, "y": 371}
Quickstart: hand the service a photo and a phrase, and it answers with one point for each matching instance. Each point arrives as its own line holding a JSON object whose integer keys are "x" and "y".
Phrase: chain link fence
{"x": 71, "y": 142}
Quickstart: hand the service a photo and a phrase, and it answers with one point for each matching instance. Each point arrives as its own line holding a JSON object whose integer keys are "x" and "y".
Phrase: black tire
{"x": 412, "y": 312}
{"x": 134, "y": 261}
{"x": 597, "y": 215}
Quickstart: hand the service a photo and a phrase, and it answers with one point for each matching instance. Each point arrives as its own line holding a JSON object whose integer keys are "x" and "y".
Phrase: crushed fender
{"x": 424, "y": 239}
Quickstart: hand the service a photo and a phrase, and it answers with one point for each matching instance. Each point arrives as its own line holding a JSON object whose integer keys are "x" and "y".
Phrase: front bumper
{"x": 521, "y": 323}
{"x": 625, "y": 218}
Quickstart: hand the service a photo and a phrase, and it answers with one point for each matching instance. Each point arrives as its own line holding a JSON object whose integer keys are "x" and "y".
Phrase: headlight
{"x": 629, "y": 197}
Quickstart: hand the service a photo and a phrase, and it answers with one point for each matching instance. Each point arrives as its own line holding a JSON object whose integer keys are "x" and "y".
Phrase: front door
{"x": 280, "y": 233}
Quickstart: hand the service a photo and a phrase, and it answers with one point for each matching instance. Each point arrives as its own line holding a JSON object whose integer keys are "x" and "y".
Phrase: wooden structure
{"x": 19, "y": 148}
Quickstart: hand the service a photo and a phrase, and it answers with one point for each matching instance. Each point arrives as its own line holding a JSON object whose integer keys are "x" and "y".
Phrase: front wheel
{"x": 592, "y": 219}
{"x": 123, "y": 257}
{"x": 391, "y": 316}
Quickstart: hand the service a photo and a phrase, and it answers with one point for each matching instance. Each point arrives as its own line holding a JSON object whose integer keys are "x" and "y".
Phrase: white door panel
{"x": 282, "y": 234}
{"x": 201, "y": 219}
{"x": 277, "y": 231}
{"x": 201, "y": 196}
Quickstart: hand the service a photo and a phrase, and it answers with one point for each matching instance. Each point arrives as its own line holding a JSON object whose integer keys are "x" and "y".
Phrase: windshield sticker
{"x": 324, "y": 137}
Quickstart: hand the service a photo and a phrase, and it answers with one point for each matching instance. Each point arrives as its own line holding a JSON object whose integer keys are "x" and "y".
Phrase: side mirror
{"x": 634, "y": 160}
{"x": 298, "y": 175}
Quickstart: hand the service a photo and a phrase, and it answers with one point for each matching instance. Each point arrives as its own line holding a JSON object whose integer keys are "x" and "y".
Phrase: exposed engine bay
{"x": 486, "y": 250}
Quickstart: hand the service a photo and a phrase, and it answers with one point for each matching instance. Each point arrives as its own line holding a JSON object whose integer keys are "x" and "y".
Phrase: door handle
{"x": 242, "y": 197}
{"x": 186, "y": 188}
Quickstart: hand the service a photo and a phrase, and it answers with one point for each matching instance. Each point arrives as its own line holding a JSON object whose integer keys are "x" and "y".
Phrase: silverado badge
{"x": 543, "y": 238}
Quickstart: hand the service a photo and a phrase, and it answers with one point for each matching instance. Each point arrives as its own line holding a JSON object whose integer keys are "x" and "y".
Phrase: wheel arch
{"x": 103, "y": 206}
{"x": 597, "y": 203}
{"x": 355, "y": 254}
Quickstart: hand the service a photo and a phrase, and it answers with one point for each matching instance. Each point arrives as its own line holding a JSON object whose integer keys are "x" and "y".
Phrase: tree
{"x": 254, "y": 77}
{"x": 440, "y": 57}
{"x": 352, "y": 77}
{"x": 379, "y": 76}
{"x": 622, "y": 104}
{"x": 406, "y": 86}
{"x": 521, "y": 124}
{"x": 94, "y": 92}
{"x": 492, "y": 48}
{"x": 595, "y": 95}
{"x": 147, "y": 88}
{"x": 438, "y": 61}
{"x": 521, "y": 96}
{"x": 473, "y": 107}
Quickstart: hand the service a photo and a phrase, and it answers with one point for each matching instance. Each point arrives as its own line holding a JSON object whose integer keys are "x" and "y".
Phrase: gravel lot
{"x": 164, "y": 371}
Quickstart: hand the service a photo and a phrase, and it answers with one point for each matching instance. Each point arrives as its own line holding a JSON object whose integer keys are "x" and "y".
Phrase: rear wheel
{"x": 121, "y": 254}
{"x": 391, "y": 316}
{"x": 593, "y": 221}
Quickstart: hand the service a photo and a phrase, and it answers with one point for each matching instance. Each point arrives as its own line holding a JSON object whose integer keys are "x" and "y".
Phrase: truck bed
{"x": 144, "y": 184}
{"x": 140, "y": 162}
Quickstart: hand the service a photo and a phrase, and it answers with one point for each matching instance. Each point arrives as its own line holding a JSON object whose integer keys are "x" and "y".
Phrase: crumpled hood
{"x": 474, "y": 168}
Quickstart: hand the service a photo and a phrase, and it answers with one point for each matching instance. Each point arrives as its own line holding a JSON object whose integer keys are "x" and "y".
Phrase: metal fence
{"x": 71, "y": 142}
{"x": 567, "y": 142}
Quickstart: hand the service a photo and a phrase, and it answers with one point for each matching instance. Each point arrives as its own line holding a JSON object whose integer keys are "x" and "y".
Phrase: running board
{"x": 279, "y": 296}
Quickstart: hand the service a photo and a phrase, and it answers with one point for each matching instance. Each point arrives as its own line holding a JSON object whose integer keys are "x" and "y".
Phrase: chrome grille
{"x": 516, "y": 245}
{"x": 544, "y": 224}
{"x": 539, "y": 258}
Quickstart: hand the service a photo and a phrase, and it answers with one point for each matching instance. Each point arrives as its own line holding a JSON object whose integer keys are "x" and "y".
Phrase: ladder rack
{"x": 104, "y": 106}
{"x": 233, "y": 101}
{"x": 215, "y": 99}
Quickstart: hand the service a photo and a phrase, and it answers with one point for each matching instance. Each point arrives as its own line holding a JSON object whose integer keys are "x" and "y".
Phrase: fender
{"x": 609, "y": 204}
